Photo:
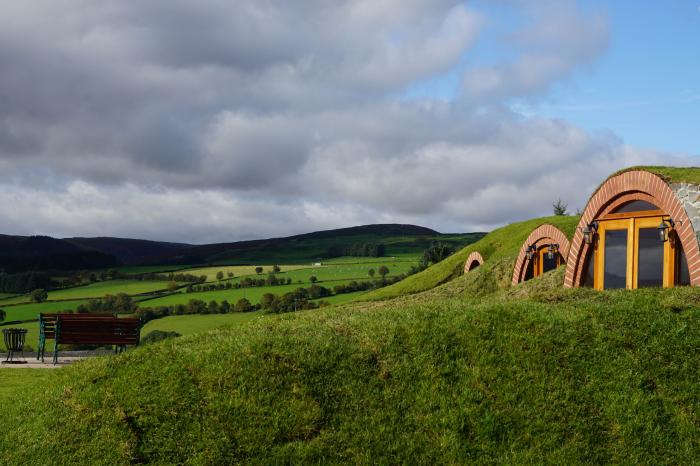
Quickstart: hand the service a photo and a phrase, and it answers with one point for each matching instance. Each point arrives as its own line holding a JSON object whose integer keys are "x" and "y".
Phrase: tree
{"x": 224, "y": 307}
{"x": 219, "y": 275}
{"x": 3, "y": 315}
{"x": 258, "y": 270}
{"x": 560, "y": 207}
{"x": 435, "y": 253}
{"x": 313, "y": 279}
{"x": 383, "y": 271}
{"x": 172, "y": 286}
{"x": 371, "y": 272}
{"x": 276, "y": 269}
{"x": 229, "y": 274}
{"x": 39, "y": 296}
{"x": 243, "y": 305}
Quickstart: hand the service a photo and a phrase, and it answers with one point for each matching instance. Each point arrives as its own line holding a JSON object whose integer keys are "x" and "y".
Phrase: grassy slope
{"x": 189, "y": 324}
{"x": 501, "y": 244}
{"x": 528, "y": 374}
{"x": 592, "y": 377}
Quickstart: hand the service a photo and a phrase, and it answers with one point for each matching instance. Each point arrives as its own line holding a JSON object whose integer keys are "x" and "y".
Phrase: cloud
{"x": 213, "y": 121}
{"x": 556, "y": 40}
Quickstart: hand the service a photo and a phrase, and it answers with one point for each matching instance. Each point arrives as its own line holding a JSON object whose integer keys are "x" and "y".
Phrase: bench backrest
{"x": 98, "y": 331}
{"x": 47, "y": 321}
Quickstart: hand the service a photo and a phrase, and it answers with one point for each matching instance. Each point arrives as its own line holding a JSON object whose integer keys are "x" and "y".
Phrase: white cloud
{"x": 213, "y": 121}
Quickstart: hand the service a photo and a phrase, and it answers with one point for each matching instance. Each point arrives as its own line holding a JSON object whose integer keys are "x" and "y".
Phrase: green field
{"x": 237, "y": 270}
{"x": 253, "y": 294}
{"x": 189, "y": 324}
{"x": 141, "y": 269}
{"x": 455, "y": 369}
{"x": 31, "y": 311}
{"x": 97, "y": 290}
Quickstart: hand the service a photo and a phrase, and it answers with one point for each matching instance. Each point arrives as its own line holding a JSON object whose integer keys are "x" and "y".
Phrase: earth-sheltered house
{"x": 638, "y": 229}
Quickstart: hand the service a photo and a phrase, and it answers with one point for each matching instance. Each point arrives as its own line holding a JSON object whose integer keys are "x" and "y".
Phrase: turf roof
{"x": 669, "y": 174}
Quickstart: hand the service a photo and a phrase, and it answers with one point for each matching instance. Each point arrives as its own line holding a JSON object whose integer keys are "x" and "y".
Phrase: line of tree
{"x": 120, "y": 303}
{"x": 113, "y": 274}
{"x": 356, "y": 250}
{"x": 24, "y": 282}
{"x": 246, "y": 282}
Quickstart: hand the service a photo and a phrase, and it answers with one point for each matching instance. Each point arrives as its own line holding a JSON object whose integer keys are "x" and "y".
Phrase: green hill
{"x": 467, "y": 372}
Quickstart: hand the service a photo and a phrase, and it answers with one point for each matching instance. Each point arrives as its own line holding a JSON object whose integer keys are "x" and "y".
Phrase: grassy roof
{"x": 669, "y": 174}
{"x": 499, "y": 245}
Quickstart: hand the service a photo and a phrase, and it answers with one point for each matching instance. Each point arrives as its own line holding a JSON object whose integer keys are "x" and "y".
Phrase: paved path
{"x": 64, "y": 359}
{"x": 32, "y": 363}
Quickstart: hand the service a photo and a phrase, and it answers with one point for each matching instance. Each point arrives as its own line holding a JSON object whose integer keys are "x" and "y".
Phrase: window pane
{"x": 529, "y": 272}
{"x": 682, "y": 274}
{"x": 650, "y": 270}
{"x": 549, "y": 264}
{"x": 615, "y": 274}
{"x": 590, "y": 267}
{"x": 635, "y": 206}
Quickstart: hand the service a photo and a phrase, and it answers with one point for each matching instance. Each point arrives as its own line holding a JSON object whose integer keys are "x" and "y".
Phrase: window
{"x": 629, "y": 254}
{"x": 542, "y": 263}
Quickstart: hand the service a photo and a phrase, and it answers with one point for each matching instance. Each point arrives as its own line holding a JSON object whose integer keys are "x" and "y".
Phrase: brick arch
{"x": 543, "y": 234}
{"x": 474, "y": 258}
{"x": 618, "y": 190}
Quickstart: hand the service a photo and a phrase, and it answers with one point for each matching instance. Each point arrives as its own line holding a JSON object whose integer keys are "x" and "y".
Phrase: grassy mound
{"x": 501, "y": 245}
{"x": 470, "y": 371}
{"x": 563, "y": 376}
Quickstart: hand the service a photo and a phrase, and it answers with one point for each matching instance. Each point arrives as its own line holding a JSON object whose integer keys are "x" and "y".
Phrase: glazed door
{"x": 613, "y": 261}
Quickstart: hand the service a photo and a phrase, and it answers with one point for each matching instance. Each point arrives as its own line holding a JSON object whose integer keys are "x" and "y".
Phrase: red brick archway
{"x": 543, "y": 234}
{"x": 473, "y": 261}
{"x": 622, "y": 188}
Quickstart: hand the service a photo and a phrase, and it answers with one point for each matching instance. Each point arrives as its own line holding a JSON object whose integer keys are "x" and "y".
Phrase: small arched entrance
{"x": 545, "y": 249}
{"x": 473, "y": 261}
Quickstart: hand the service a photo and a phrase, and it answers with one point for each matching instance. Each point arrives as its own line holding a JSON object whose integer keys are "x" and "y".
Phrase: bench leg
{"x": 55, "y": 352}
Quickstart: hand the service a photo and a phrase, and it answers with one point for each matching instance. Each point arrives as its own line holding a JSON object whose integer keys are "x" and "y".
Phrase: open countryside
{"x": 349, "y": 233}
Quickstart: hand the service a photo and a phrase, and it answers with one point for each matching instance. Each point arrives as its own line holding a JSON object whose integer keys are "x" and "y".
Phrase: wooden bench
{"x": 87, "y": 329}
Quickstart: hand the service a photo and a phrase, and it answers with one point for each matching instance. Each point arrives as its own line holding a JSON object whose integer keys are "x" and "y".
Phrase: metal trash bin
{"x": 14, "y": 342}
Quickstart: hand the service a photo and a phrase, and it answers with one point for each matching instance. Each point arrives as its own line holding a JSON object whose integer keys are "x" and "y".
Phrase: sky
{"x": 217, "y": 120}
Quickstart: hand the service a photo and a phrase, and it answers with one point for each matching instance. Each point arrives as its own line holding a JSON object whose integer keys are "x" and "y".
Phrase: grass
{"x": 471, "y": 371}
{"x": 15, "y": 381}
{"x": 589, "y": 378}
{"x": 253, "y": 294}
{"x": 238, "y": 270}
{"x": 189, "y": 324}
{"x": 98, "y": 290}
{"x": 31, "y": 311}
{"x": 670, "y": 174}
{"x": 501, "y": 243}
{"x": 140, "y": 269}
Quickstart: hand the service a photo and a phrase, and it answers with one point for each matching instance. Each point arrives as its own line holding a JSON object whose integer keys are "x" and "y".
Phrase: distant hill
{"x": 19, "y": 253}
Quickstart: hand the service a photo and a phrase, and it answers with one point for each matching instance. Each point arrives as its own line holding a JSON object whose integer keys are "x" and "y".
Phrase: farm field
{"x": 334, "y": 272}
{"x": 31, "y": 310}
{"x": 237, "y": 270}
{"x": 188, "y": 324}
{"x": 140, "y": 269}
{"x": 253, "y": 294}
{"x": 96, "y": 290}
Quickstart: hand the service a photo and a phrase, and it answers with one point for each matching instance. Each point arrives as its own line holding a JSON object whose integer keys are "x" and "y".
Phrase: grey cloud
{"x": 217, "y": 120}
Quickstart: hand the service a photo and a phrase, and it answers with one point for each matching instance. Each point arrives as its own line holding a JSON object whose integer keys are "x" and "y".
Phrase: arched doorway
{"x": 473, "y": 261}
{"x": 634, "y": 233}
{"x": 545, "y": 249}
